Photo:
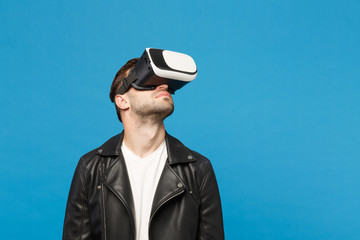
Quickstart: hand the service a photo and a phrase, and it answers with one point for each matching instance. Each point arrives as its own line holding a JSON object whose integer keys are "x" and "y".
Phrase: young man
{"x": 143, "y": 183}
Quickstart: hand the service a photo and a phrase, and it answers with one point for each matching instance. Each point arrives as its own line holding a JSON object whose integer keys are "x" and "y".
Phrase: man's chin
{"x": 165, "y": 112}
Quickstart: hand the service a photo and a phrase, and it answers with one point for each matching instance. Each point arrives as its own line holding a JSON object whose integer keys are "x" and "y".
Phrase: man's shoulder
{"x": 184, "y": 157}
{"x": 185, "y": 154}
{"x": 108, "y": 148}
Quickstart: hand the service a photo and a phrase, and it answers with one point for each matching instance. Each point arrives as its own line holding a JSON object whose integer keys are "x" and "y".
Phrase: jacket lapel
{"x": 117, "y": 180}
{"x": 169, "y": 186}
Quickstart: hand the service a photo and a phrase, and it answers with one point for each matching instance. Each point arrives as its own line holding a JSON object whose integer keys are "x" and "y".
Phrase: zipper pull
{"x": 102, "y": 175}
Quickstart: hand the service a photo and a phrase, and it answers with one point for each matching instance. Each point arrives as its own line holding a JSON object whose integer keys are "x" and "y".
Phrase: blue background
{"x": 275, "y": 106}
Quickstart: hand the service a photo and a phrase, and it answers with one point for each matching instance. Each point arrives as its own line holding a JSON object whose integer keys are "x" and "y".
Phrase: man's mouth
{"x": 163, "y": 94}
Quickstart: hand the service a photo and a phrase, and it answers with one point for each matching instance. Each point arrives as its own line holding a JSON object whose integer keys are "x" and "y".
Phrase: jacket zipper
{"x": 152, "y": 215}
{"x": 102, "y": 171}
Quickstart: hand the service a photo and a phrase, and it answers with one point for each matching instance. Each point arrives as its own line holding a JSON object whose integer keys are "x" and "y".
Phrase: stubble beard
{"x": 152, "y": 111}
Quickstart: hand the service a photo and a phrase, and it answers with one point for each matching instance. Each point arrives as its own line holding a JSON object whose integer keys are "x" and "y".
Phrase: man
{"x": 143, "y": 183}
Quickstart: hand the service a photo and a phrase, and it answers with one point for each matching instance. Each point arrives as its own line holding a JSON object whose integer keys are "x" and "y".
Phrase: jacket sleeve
{"x": 77, "y": 222}
{"x": 211, "y": 222}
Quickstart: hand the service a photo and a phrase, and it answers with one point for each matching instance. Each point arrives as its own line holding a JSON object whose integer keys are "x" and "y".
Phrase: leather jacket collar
{"x": 175, "y": 148}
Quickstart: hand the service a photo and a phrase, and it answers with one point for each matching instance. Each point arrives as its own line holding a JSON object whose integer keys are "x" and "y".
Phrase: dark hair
{"x": 118, "y": 81}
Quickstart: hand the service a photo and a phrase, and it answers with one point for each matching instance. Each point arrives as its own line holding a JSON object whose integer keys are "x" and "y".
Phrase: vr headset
{"x": 156, "y": 67}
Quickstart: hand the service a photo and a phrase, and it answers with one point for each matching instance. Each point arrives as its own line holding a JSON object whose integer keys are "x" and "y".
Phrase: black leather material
{"x": 186, "y": 204}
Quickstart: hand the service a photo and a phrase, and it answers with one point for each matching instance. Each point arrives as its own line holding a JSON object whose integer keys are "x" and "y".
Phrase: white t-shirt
{"x": 144, "y": 174}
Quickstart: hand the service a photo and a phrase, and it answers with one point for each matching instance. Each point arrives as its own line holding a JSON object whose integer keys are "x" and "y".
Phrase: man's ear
{"x": 122, "y": 101}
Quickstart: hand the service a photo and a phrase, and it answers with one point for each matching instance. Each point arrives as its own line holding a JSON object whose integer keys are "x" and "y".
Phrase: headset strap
{"x": 127, "y": 82}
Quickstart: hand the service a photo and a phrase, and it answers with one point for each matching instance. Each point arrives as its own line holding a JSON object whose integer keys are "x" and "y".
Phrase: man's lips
{"x": 163, "y": 94}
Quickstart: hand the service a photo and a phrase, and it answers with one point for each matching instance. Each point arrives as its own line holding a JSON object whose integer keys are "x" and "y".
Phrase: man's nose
{"x": 162, "y": 87}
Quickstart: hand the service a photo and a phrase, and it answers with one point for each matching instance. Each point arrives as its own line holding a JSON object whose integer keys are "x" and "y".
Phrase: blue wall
{"x": 275, "y": 106}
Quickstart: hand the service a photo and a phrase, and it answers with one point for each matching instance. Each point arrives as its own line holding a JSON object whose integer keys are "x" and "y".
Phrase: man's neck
{"x": 143, "y": 140}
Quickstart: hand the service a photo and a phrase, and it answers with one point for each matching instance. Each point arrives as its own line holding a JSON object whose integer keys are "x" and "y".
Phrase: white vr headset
{"x": 156, "y": 67}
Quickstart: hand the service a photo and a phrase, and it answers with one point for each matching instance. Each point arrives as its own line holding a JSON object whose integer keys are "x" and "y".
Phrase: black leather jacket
{"x": 186, "y": 204}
